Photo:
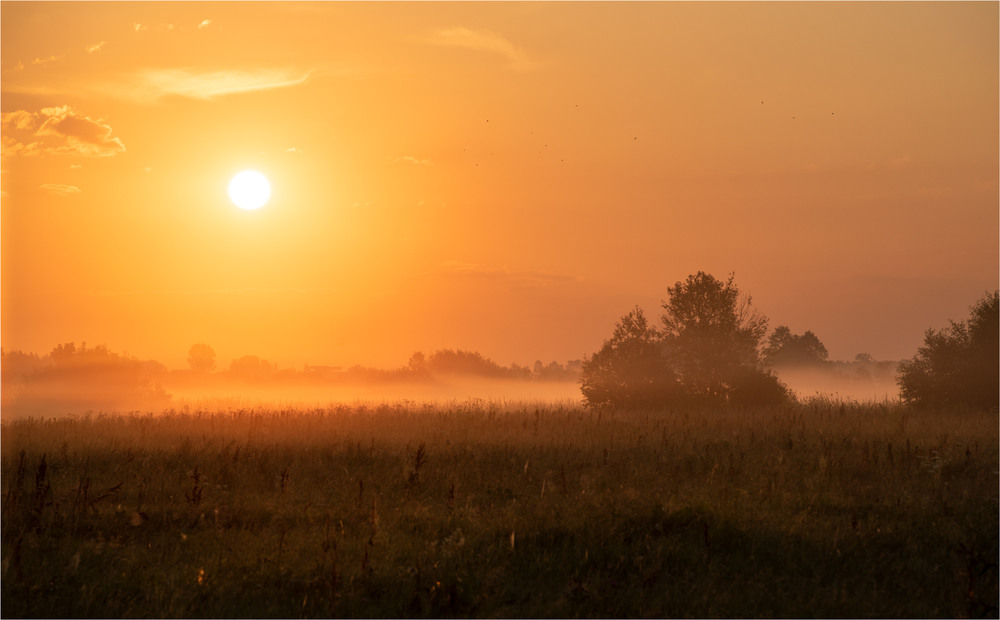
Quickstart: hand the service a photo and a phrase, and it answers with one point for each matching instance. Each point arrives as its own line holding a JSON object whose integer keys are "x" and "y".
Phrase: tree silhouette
{"x": 959, "y": 365}
{"x": 201, "y": 357}
{"x": 713, "y": 336}
{"x": 417, "y": 363}
{"x": 785, "y": 348}
{"x": 708, "y": 352}
{"x": 459, "y": 362}
{"x": 251, "y": 368}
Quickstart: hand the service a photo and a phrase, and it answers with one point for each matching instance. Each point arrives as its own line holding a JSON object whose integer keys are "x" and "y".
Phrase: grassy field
{"x": 498, "y": 509}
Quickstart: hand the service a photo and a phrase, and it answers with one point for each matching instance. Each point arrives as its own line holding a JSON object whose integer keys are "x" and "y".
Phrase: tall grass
{"x": 502, "y": 509}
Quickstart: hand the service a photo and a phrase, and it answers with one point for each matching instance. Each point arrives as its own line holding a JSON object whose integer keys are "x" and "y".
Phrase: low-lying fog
{"x": 437, "y": 392}
{"x": 805, "y": 383}
{"x": 810, "y": 382}
{"x": 79, "y": 380}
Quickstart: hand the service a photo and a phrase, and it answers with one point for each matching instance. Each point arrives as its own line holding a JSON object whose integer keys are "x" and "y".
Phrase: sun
{"x": 249, "y": 190}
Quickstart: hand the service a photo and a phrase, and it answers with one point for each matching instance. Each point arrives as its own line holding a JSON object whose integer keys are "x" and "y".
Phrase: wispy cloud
{"x": 57, "y": 130}
{"x": 482, "y": 41}
{"x": 524, "y": 278}
{"x": 47, "y": 60}
{"x": 155, "y": 84}
{"x": 409, "y": 159}
{"x": 60, "y": 190}
{"x": 96, "y": 47}
{"x": 167, "y": 27}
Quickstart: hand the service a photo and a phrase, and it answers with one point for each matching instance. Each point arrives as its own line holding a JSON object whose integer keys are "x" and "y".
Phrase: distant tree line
{"x": 74, "y": 378}
{"x": 787, "y": 351}
{"x": 420, "y": 367}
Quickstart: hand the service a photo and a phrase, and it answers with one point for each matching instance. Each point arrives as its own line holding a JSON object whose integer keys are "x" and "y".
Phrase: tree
{"x": 251, "y": 368}
{"x": 451, "y": 362}
{"x": 417, "y": 363}
{"x": 629, "y": 370}
{"x": 707, "y": 353}
{"x": 713, "y": 337}
{"x": 958, "y": 366}
{"x": 787, "y": 349}
{"x": 201, "y": 357}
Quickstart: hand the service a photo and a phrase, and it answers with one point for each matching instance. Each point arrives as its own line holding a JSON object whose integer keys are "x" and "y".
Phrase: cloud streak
{"x": 47, "y": 60}
{"x": 482, "y": 41}
{"x": 57, "y": 130}
{"x": 155, "y": 84}
{"x": 410, "y": 159}
{"x": 526, "y": 278}
{"x": 60, "y": 190}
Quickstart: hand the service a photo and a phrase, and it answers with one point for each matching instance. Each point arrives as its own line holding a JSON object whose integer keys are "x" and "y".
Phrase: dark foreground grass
{"x": 489, "y": 510}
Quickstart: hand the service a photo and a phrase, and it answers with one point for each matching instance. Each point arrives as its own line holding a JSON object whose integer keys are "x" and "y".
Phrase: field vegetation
{"x": 516, "y": 509}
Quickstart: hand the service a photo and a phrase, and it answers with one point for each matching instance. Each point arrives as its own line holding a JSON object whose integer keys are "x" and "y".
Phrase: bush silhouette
{"x": 958, "y": 365}
{"x": 630, "y": 370}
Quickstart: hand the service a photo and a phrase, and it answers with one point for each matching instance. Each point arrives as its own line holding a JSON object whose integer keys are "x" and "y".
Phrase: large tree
{"x": 707, "y": 352}
{"x": 201, "y": 357}
{"x": 713, "y": 336}
{"x": 959, "y": 365}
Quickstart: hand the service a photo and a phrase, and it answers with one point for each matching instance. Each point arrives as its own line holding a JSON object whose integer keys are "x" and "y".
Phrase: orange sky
{"x": 509, "y": 178}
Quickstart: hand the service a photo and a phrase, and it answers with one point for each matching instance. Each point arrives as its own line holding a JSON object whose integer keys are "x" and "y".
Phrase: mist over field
{"x": 431, "y": 393}
{"x": 805, "y": 383}
{"x": 78, "y": 380}
{"x": 853, "y": 385}
{"x": 840, "y": 383}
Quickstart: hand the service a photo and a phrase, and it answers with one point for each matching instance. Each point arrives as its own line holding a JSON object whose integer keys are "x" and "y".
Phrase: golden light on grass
{"x": 249, "y": 190}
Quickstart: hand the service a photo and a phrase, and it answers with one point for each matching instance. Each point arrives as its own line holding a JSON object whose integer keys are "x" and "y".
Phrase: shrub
{"x": 959, "y": 365}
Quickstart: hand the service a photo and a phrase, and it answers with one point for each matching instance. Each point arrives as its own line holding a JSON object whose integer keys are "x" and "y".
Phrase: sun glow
{"x": 249, "y": 190}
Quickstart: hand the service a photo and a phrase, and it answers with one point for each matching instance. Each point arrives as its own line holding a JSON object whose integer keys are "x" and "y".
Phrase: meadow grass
{"x": 492, "y": 509}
